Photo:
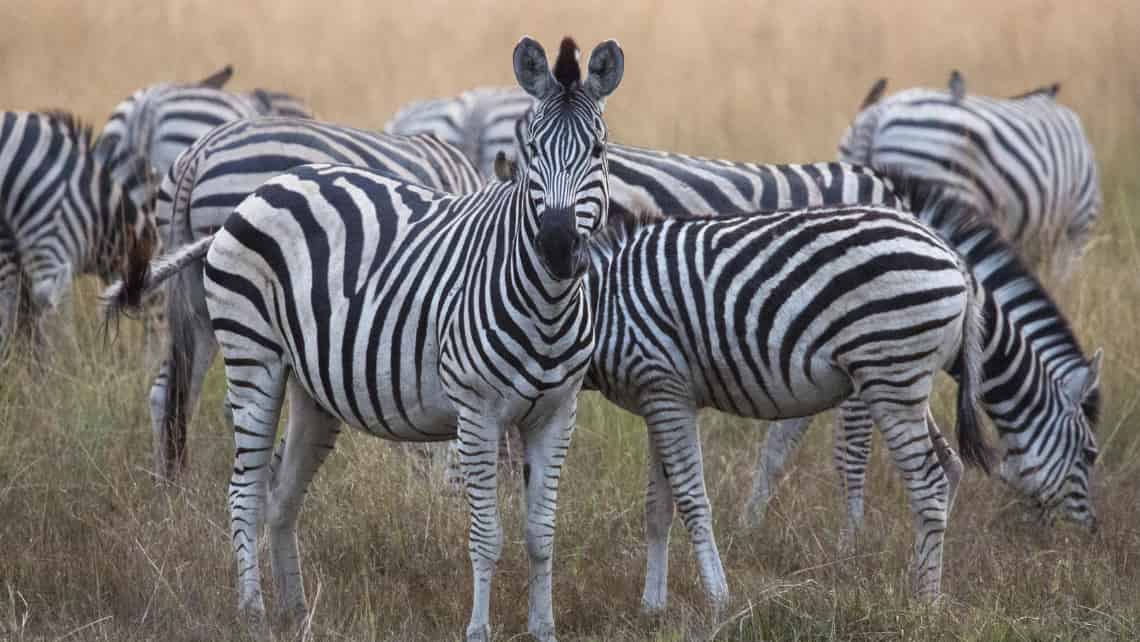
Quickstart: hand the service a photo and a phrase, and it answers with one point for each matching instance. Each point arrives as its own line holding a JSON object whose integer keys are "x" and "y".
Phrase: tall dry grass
{"x": 90, "y": 550}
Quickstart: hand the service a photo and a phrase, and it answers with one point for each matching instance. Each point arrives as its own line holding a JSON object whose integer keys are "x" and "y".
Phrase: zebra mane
{"x": 975, "y": 239}
{"x": 566, "y": 69}
{"x": 75, "y": 127}
{"x": 1046, "y": 90}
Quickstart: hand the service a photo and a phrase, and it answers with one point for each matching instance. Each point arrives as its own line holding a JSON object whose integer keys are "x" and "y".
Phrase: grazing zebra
{"x": 61, "y": 214}
{"x": 200, "y": 192}
{"x": 416, "y": 316}
{"x": 481, "y": 122}
{"x": 1037, "y": 387}
{"x": 146, "y": 132}
{"x": 777, "y": 315}
{"x": 1026, "y": 160}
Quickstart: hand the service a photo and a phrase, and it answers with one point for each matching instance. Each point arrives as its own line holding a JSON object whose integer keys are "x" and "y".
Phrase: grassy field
{"x": 91, "y": 550}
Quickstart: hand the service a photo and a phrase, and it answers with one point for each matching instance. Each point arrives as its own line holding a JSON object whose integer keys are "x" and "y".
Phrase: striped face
{"x": 564, "y": 164}
{"x": 1056, "y": 468}
{"x": 566, "y": 180}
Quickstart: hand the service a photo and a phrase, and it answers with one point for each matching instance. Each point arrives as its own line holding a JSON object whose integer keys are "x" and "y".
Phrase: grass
{"x": 91, "y": 550}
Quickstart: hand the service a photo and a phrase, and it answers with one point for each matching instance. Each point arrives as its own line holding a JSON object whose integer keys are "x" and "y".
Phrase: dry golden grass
{"x": 90, "y": 550}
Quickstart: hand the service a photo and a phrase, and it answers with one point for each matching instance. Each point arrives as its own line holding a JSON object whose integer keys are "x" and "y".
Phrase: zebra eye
{"x": 532, "y": 149}
{"x": 598, "y": 149}
{"x": 1090, "y": 455}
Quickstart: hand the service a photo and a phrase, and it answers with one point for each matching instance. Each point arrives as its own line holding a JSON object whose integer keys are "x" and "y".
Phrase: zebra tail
{"x": 126, "y": 295}
{"x": 971, "y": 440}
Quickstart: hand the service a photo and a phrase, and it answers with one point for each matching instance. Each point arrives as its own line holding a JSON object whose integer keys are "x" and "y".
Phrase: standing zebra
{"x": 1037, "y": 387}
{"x": 777, "y": 315}
{"x": 146, "y": 132}
{"x": 416, "y": 316}
{"x": 481, "y": 122}
{"x": 200, "y": 192}
{"x": 1026, "y": 160}
{"x": 61, "y": 214}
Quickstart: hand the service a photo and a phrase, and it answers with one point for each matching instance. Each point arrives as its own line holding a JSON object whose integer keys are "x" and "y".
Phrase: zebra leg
{"x": 951, "y": 463}
{"x": 674, "y": 434}
{"x": 905, "y": 433}
{"x": 478, "y": 447}
{"x": 658, "y": 521}
{"x": 545, "y": 448}
{"x": 781, "y": 442}
{"x": 256, "y": 390}
{"x": 311, "y": 436}
{"x": 852, "y": 451}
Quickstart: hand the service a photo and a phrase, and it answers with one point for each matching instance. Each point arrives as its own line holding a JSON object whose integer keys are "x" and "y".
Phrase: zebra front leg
{"x": 256, "y": 393}
{"x": 781, "y": 442}
{"x": 851, "y": 454}
{"x": 658, "y": 521}
{"x": 905, "y": 433}
{"x": 311, "y": 436}
{"x": 478, "y": 450}
{"x": 673, "y": 430}
{"x": 545, "y": 450}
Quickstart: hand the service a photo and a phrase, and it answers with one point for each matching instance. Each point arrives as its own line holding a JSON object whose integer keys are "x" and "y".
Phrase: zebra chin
{"x": 561, "y": 248}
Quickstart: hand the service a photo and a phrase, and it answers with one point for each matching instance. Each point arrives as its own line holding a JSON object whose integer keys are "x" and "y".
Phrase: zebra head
{"x": 121, "y": 146}
{"x": 1057, "y": 472}
{"x": 855, "y": 146}
{"x": 564, "y": 164}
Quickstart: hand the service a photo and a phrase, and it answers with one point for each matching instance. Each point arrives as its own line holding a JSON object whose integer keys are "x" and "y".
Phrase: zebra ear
{"x": 532, "y": 70}
{"x": 875, "y": 94}
{"x": 1082, "y": 383}
{"x": 605, "y": 70}
{"x": 219, "y": 78}
{"x": 957, "y": 86}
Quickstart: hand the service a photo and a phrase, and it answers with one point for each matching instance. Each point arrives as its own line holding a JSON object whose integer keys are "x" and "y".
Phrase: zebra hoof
{"x": 479, "y": 633}
{"x": 543, "y": 632}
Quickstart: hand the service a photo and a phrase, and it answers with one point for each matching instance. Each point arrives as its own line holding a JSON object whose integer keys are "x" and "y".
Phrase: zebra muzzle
{"x": 562, "y": 249}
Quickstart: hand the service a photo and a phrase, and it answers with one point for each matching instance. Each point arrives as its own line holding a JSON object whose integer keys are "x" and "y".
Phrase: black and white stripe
{"x": 1025, "y": 161}
{"x": 146, "y": 132}
{"x": 481, "y": 122}
{"x": 61, "y": 215}
{"x": 1038, "y": 388}
{"x": 415, "y": 315}
{"x": 781, "y": 315}
{"x": 200, "y": 192}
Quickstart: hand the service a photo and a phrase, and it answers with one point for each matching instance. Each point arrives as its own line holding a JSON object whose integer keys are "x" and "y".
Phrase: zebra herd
{"x": 469, "y": 270}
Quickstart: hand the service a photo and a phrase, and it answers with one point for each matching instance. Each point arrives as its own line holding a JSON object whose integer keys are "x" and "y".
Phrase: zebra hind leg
{"x": 311, "y": 436}
{"x": 175, "y": 392}
{"x": 256, "y": 392}
{"x": 851, "y": 454}
{"x": 780, "y": 444}
{"x": 949, "y": 459}
{"x": 905, "y": 432}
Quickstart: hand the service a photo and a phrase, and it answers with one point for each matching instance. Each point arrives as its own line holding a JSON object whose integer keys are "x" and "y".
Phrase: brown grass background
{"x": 90, "y": 550}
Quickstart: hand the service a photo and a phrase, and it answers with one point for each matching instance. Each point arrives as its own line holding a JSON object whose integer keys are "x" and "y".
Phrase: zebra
{"x": 416, "y": 316}
{"x": 1037, "y": 386}
{"x": 204, "y": 187}
{"x": 61, "y": 215}
{"x": 146, "y": 132}
{"x": 1024, "y": 160}
{"x": 784, "y": 314}
{"x": 481, "y": 122}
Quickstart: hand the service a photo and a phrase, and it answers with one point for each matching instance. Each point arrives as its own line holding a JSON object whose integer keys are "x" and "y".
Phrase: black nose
{"x": 559, "y": 243}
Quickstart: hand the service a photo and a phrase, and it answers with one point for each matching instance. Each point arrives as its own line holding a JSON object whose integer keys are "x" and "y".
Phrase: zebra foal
{"x": 416, "y": 316}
